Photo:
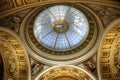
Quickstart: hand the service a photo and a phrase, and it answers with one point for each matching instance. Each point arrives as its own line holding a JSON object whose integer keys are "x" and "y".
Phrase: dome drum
{"x": 59, "y": 30}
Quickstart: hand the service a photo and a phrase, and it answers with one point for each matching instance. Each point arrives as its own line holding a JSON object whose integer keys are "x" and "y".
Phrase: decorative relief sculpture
{"x": 36, "y": 67}
{"x": 117, "y": 58}
{"x": 90, "y": 66}
{"x": 109, "y": 60}
{"x": 118, "y": 66}
{"x": 5, "y": 5}
{"x": 11, "y": 62}
{"x": 11, "y": 22}
{"x": 9, "y": 47}
{"x": 106, "y": 13}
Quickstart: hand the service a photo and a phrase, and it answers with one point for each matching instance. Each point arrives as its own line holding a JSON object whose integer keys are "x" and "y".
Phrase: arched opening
{"x": 15, "y": 60}
{"x": 1, "y": 68}
{"x": 109, "y": 52}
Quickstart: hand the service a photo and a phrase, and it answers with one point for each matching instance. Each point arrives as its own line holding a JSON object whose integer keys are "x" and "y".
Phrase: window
{"x": 61, "y": 27}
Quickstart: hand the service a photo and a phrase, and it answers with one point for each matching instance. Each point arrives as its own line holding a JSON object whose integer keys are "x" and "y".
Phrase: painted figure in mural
{"x": 117, "y": 58}
{"x": 11, "y": 22}
{"x": 37, "y": 68}
{"x": 118, "y": 65}
{"x": 90, "y": 66}
{"x": 12, "y": 64}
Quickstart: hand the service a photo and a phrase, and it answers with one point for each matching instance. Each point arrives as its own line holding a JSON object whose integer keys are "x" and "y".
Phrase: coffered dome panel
{"x": 61, "y": 32}
{"x": 109, "y": 53}
{"x": 15, "y": 58}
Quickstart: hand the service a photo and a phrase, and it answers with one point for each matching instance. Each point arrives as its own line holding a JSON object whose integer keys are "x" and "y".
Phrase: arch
{"x": 65, "y": 71}
{"x": 1, "y": 68}
{"x": 108, "y": 54}
{"x": 15, "y": 58}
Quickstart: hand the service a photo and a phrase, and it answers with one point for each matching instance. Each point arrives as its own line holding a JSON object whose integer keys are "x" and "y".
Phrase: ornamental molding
{"x": 108, "y": 55}
{"x": 15, "y": 58}
{"x": 65, "y": 71}
{"x": 30, "y": 42}
{"x": 9, "y": 7}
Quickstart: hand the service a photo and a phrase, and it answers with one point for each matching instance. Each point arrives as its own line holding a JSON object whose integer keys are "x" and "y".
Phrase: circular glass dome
{"x": 61, "y": 27}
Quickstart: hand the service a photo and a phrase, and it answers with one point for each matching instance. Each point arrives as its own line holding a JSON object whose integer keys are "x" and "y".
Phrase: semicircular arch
{"x": 15, "y": 58}
{"x": 109, "y": 53}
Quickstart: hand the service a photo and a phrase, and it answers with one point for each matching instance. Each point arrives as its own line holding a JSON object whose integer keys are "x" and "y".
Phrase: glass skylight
{"x": 61, "y": 27}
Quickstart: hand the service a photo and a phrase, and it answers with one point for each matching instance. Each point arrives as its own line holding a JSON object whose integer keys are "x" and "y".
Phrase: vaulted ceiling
{"x": 25, "y": 58}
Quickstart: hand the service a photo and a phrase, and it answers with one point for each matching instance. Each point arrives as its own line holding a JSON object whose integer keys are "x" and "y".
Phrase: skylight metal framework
{"x": 61, "y": 27}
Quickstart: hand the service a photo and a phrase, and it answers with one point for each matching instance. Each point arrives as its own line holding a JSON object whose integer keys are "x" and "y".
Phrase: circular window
{"x": 61, "y": 27}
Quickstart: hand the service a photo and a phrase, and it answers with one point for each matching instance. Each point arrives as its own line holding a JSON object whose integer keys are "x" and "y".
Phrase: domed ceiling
{"x": 61, "y": 27}
{"x": 61, "y": 32}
